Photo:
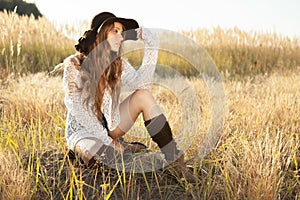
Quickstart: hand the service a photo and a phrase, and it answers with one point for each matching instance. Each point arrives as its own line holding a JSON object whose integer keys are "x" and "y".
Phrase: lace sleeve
{"x": 134, "y": 79}
{"x": 84, "y": 117}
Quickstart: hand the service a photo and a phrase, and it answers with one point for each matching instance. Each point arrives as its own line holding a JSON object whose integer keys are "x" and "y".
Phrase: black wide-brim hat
{"x": 106, "y": 18}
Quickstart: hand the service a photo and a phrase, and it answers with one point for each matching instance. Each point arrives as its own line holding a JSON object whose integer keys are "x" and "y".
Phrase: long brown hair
{"x": 101, "y": 70}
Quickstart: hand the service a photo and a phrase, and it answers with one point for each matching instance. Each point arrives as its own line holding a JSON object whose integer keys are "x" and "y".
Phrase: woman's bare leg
{"x": 141, "y": 101}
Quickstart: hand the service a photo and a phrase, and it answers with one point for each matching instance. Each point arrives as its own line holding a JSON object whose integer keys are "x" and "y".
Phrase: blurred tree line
{"x": 23, "y": 8}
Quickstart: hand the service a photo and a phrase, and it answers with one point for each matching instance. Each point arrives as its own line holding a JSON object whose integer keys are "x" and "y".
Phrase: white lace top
{"x": 82, "y": 122}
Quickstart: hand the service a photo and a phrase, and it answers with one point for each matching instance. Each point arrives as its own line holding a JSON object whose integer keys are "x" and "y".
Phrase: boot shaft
{"x": 161, "y": 133}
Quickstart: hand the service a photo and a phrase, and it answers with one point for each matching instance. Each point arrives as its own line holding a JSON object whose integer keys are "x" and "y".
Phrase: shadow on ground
{"x": 64, "y": 176}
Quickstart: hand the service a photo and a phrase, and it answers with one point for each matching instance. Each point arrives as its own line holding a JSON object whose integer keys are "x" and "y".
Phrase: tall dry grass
{"x": 15, "y": 182}
{"x": 261, "y": 149}
{"x": 237, "y": 53}
{"x": 29, "y": 45}
{"x": 246, "y": 53}
{"x": 257, "y": 156}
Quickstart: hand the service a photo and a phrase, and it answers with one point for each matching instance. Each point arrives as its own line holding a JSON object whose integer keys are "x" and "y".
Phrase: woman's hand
{"x": 117, "y": 146}
{"x": 139, "y": 32}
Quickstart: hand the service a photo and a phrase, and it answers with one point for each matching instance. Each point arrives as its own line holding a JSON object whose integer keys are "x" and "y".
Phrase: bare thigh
{"x": 141, "y": 101}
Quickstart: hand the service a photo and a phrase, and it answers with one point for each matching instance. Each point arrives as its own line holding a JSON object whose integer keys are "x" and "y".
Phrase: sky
{"x": 264, "y": 16}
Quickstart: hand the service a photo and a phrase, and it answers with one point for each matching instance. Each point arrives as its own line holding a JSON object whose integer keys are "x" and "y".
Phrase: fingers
{"x": 139, "y": 33}
{"x": 117, "y": 146}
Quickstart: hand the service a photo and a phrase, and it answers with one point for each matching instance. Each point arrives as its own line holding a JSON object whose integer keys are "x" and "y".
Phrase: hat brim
{"x": 129, "y": 24}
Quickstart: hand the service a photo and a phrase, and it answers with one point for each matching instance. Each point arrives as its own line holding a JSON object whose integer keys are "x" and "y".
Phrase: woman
{"x": 93, "y": 79}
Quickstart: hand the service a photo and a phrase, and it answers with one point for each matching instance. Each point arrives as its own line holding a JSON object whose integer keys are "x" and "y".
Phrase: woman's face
{"x": 114, "y": 36}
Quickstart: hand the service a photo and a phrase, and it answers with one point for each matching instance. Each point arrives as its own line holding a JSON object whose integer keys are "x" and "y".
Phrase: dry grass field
{"x": 256, "y": 157}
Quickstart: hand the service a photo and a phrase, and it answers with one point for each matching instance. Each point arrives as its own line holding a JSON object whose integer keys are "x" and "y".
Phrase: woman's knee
{"x": 143, "y": 95}
{"x": 148, "y": 105}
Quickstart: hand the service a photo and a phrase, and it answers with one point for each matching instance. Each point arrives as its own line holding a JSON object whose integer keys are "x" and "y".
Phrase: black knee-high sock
{"x": 161, "y": 133}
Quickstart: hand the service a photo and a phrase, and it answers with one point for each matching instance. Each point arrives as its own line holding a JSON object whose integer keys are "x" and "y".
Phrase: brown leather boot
{"x": 179, "y": 169}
